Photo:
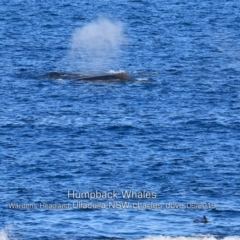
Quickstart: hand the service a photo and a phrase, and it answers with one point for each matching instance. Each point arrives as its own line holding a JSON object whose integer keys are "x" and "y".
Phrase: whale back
{"x": 82, "y": 77}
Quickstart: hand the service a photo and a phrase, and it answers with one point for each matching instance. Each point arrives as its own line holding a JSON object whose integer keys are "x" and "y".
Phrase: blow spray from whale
{"x": 94, "y": 48}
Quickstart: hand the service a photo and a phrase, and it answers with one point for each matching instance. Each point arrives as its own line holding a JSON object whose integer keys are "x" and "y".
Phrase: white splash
{"x": 119, "y": 71}
{"x": 198, "y": 237}
{"x": 3, "y": 234}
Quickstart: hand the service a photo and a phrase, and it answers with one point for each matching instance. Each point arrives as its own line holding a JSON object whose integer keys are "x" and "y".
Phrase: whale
{"x": 204, "y": 220}
{"x": 89, "y": 77}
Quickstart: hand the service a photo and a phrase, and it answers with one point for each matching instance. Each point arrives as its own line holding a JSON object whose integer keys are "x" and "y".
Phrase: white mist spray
{"x": 95, "y": 46}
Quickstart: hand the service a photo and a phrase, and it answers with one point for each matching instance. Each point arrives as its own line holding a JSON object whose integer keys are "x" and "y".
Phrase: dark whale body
{"x": 204, "y": 220}
{"x": 77, "y": 76}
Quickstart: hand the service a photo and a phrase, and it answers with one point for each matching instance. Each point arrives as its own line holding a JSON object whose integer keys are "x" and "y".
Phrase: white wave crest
{"x": 142, "y": 79}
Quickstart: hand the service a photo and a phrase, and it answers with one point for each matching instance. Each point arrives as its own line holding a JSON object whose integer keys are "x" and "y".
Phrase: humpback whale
{"x": 78, "y": 76}
{"x": 204, "y": 220}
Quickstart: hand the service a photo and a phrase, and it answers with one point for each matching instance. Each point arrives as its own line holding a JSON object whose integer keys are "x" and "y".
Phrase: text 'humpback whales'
{"x": 77, "y": 76}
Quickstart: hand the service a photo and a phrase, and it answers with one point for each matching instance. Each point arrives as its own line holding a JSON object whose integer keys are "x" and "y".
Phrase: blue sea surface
{"x": 170, "y": 136}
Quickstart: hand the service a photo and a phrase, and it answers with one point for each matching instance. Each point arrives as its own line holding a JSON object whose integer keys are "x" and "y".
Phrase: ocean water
{"x": 143, "y": 159}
